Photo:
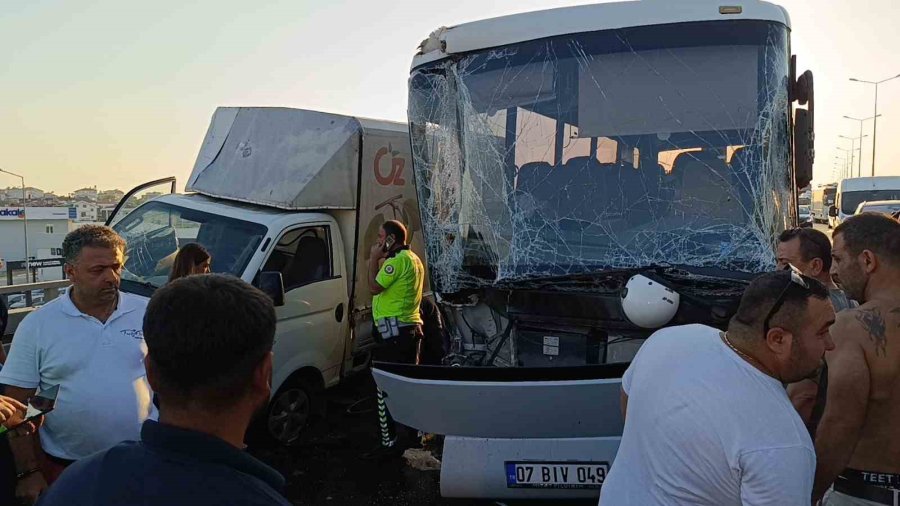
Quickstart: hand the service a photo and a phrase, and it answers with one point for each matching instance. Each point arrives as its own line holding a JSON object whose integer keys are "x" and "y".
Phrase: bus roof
{"x": 514, "y": 28}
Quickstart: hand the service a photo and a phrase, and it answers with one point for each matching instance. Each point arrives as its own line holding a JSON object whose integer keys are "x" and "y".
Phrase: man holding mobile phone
{"x": 89, "y": 342}
{"x": 396, "y": 285}
{"x": 13, "y": 423}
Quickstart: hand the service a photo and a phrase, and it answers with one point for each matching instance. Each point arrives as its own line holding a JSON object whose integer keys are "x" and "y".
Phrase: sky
{"x": 112, "y": 93}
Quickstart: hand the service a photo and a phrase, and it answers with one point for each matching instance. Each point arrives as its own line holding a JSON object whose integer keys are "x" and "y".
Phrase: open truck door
{"x": 138, "y": 195}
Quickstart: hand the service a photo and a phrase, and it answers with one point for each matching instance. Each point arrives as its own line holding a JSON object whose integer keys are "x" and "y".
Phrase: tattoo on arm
{"x": 873, "y": 322}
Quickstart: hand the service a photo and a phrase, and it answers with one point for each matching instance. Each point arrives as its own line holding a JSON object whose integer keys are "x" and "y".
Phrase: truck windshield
{"x": 154, "y": 231}
{"x": 851, "y": 200}
{"x": 606, "y": 150}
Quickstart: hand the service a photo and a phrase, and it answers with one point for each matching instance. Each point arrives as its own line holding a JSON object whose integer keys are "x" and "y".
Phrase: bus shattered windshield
{"x": 618, "y": 149}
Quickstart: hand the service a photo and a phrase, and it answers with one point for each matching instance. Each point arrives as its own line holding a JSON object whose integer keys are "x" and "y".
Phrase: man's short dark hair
{"x": 875, "y": 232}
{"x": 396, "y": 229}
{"x": 763, "y": 293}
{"x": 94, "y": 236}
{"x": 813, "y": 244}
{"x": 205, "y": 337}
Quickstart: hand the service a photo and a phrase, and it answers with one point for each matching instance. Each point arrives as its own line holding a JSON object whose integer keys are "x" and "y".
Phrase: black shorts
{"x": 881, "y": 488}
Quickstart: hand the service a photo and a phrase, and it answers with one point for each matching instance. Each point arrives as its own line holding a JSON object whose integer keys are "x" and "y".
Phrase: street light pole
{"x": 24, "y": 219}
{"x": 845, "y": 160}
{"x": 861, "y": 121}
{"x": 875, "y": 115}
{"x": 853, "y": 149}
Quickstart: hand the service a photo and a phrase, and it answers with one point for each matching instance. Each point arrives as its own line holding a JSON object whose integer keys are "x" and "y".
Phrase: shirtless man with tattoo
{"x": 857, "y": 443}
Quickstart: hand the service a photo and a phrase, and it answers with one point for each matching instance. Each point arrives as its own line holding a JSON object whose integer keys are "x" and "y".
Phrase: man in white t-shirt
{"x": 89, "y": 342}
{"x": 708, "y": 421}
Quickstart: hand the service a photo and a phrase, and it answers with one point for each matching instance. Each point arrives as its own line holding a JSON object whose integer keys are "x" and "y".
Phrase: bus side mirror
{"x": 832, "y": 211}
{"x": 804, "y": 129}
{"x": 804, "y": 154}
{"x": 272, "y": 284}
{"x": 801, "y": 91}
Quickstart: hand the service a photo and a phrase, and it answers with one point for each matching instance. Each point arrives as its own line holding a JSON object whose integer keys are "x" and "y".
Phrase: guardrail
{"x": 50, "y": 290}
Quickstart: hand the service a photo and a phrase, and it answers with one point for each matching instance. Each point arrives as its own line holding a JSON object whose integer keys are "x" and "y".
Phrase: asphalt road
{"x": 823, "y": 228}
{"x": 326, "y": 468}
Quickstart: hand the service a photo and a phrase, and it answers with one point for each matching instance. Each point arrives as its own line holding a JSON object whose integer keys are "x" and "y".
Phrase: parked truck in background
{"x": 291, "y": 201}
{"x": 561, "y": 156}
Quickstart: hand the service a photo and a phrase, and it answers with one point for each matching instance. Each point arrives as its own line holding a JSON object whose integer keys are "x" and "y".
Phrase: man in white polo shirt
{"x": 708, "y": 422}
{"x": 89, "y": 342}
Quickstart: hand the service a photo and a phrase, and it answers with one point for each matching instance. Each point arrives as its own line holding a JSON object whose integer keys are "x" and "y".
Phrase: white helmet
{"x": 647, "y": 303}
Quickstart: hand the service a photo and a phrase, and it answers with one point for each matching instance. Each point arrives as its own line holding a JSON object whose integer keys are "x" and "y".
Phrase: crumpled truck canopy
{"x": 291, "y": 159}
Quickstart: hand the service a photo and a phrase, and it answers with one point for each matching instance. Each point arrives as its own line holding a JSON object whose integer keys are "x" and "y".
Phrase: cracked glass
{"x": 612, "y": 150}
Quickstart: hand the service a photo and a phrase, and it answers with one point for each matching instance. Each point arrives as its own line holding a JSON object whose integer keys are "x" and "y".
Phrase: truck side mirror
{"x": 272, "y": 284}
{"x": 832, "y": 211}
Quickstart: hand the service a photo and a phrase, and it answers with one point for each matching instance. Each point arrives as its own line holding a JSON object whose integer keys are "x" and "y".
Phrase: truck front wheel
{"x": 289, "y": 413}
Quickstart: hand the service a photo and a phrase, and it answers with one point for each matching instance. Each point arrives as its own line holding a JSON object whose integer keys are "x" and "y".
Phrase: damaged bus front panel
{"x": 550, "y": 172}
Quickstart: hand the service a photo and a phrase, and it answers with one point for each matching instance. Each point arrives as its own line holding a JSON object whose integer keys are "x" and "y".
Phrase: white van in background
{"x": 854, "y": 191}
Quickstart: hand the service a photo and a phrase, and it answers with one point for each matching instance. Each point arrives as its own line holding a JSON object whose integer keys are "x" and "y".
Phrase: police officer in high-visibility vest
{"x": 396, "y": 285}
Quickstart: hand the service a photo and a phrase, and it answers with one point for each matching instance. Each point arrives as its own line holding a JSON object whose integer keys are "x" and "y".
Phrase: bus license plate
{"x": 556, "y": 474}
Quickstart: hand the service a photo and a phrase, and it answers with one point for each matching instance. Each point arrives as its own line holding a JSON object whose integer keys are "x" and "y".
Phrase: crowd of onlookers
{"x": 795, "y": 401}
{"x": 154, "y": 398}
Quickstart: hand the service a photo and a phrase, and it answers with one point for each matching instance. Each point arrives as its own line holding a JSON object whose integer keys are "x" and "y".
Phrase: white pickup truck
{"x": 290, "y": 200}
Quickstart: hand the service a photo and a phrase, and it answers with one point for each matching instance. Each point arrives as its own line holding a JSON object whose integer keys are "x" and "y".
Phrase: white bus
{"x": 556, "y": 155}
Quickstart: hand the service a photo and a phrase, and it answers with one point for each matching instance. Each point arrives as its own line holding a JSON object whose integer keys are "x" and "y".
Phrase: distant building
{"x": 85, "y": 211}
{"x": 47, "y": 227}
{"x": 141, "y": 198}
{"x": 15, "y": 194}
{"x": 89, "y": 194}
{"x": 105, "y": 210}
{"x": 110, "y": 196}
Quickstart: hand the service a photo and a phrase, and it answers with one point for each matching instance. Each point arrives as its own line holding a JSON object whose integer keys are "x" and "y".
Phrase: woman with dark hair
{"x": 191, "y": 259}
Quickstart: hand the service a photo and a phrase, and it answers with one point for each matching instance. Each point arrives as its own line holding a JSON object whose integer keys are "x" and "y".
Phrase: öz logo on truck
{"x": 395, "y": 176}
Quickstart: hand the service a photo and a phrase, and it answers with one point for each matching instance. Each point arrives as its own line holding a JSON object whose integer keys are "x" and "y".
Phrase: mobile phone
{"x": 388, "y": 243}
{"x": 38, "y": 405}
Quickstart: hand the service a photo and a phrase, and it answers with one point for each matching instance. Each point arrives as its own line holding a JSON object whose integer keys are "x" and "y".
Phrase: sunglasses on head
{"x": 795, "y": 279}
